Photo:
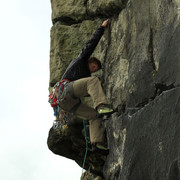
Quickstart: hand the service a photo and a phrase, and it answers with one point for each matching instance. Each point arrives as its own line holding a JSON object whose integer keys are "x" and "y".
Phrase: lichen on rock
{"x": 140, "y": 59}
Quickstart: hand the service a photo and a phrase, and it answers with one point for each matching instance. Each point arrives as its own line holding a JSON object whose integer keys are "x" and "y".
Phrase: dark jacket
{"x": 79, "y": 68}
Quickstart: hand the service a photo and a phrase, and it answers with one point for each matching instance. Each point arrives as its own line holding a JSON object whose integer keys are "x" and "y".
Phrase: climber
{"x": 77, "y": 82}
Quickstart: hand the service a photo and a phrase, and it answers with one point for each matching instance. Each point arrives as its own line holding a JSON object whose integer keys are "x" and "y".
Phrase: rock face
{"x": 140, "y": 56}
{"x": 148, "y": 142}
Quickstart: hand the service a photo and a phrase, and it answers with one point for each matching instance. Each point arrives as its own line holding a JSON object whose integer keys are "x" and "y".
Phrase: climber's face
{"x": 93, "y": 67}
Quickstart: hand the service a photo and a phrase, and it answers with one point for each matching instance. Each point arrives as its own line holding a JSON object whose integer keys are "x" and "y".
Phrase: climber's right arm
{"x": 92, "y": 43}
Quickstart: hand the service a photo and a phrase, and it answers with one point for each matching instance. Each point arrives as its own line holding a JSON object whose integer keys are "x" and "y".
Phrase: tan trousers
{"x": 82, "y": 88}
{"x": 90, "y": 86}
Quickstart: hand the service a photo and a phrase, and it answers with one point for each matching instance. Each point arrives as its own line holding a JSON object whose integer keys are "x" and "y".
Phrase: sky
{"x": 25, "y": 114}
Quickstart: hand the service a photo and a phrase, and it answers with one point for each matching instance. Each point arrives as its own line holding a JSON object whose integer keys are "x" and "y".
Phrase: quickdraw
{"x": 60, "y": 86}
{"x": 62, "y": 118}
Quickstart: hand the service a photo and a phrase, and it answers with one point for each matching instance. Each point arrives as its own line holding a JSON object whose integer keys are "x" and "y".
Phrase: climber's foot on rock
{"x": 99, "y": 146}
{"x": 104, "y": 109}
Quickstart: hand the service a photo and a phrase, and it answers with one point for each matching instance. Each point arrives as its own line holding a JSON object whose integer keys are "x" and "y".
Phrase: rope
{"x": 86, "y": 147}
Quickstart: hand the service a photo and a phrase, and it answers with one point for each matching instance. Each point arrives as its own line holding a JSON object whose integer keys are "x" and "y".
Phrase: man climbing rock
{"x": 77, "y": 82}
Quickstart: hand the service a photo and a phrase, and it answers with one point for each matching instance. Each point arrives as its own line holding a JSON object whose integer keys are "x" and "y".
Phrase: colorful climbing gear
{"x": 62, "y": 118}
{"x": 55, "y": 98}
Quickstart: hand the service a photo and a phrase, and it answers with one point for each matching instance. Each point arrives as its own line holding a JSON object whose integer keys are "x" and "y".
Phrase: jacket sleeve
{"x": 91, "y": 44}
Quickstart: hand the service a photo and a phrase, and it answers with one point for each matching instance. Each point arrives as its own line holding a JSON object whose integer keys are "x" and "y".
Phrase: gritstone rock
{"x": 140, "y": 57}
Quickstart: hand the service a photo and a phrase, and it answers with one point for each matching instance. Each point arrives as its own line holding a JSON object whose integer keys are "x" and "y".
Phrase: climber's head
{"x": 94, "y": 64}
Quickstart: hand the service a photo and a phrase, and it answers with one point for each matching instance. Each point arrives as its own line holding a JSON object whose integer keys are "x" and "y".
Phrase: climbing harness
{"x": 61, "y": 87}
{"x": 58, "y": 95}
{"x": 86, "y": 147}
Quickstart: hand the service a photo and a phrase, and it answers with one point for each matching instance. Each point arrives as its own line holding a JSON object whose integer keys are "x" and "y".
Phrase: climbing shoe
{"x": 101, "y": 146}
{"x": 104, "y": 109}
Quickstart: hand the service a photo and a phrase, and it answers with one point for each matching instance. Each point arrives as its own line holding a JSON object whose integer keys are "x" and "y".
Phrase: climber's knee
{"x": 94, "y": 79}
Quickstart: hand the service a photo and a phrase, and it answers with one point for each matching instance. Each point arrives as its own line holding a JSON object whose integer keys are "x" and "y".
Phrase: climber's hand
{"x": 105, "y": 23}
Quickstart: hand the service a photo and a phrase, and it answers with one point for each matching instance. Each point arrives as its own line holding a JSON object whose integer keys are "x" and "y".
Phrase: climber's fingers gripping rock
{"x": 105, "y": 23}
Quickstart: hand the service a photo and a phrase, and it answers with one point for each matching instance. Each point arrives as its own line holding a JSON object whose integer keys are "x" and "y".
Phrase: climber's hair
{"x": 96, "y": 61}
